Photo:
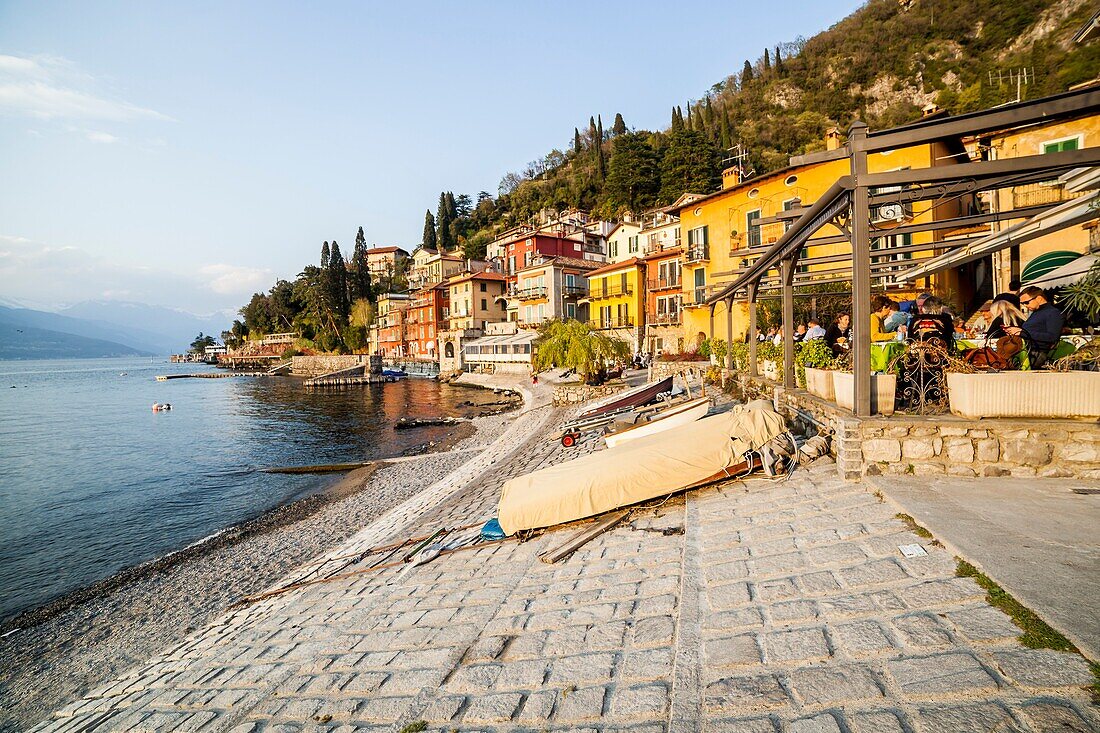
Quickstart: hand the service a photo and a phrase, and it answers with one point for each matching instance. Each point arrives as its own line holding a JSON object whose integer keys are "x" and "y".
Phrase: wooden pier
{"x": 211, "y": 375}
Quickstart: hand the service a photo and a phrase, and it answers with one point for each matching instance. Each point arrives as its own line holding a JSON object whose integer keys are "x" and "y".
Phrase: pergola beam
{"x": 987, "y": 169}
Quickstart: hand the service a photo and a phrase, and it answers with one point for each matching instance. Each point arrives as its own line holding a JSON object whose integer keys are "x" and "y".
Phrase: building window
{"x": 632, "y": 244}
{"x": 752, "y": 226}
{"x": 614, "y": 249}
{"x": 787, "y": 206}
{"x": 697, "y": 236}
{"x": 484, "y": 305}
{"x": 570, "y": 310}
{"x": 1060, "y": 146}
{"x": 483, "y": 289}
{"x": 512, "y": 265}
{"x": 676, "y": 234}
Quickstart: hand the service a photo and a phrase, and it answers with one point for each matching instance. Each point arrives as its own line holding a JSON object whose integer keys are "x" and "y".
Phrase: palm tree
{"x": 573, "y": 345}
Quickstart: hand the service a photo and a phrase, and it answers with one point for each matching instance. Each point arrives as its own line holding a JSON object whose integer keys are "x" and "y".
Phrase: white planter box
{"x": 820, "y": 382}
{"x": 770, "y": 369}
{"x": 883, "y": 387}
{"x": 1025, "y": 394}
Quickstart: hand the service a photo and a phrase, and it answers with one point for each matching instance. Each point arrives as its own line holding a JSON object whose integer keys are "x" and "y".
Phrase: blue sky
{"x": 187, "y": 154}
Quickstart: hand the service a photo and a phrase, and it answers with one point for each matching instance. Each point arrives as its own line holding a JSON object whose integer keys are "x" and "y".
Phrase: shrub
{"x": 289, "y": 352}
{"x": 815, "y": 354}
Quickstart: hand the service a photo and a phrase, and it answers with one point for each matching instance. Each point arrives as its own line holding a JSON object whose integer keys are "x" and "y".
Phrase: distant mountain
{"x": 135, "y": 339}
{"x": 29, "y": 342}
{"x": 165, "y": 329}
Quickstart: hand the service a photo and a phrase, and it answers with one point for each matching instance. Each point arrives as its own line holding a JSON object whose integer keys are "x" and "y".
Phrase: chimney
{"x": 930, "y": 109}
{"x": 832, "y": 138}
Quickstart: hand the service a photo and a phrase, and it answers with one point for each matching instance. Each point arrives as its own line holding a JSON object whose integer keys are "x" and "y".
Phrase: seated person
{"x": 881, "y": 308}
{"x": 933, "y": 325}
{"x": 1043, "y": 328}
{"x": 838, "y": 334}
{"x": 800, "y": 333}
{"x": 815, "y": 331}
{"x": 1004, "y": 313}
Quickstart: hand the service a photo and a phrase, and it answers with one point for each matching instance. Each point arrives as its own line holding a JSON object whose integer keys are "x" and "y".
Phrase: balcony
{"x": 613, "y": 322}
{"x": 674, "y": 318}
{"x": 697, "y": 253}
{"x": 1036, "y": 194}
{"x": 694, "y": 298}
{"x": 574, "y": 291}
{"x": 664, "y": 283}
{"x": 529, "y": 293}
{"x": 611, "y": 291}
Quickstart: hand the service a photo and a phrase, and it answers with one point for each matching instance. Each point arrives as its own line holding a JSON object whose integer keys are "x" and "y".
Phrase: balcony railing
{"x": 1035, "y": 194}
{"x": 614, "y": 322}
{"x": 573, "y": 291}
{"x": 610, "y": 291}
{"x": 529, "y": 293}
{"x": 665, "y": 319}
{"x": 694, "y": 298}
{"x": 697, "y": 253}
{"x": 663, "y": 283}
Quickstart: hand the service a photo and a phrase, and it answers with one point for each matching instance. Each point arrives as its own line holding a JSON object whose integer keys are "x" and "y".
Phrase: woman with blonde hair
{"x": 1005, "y": 313}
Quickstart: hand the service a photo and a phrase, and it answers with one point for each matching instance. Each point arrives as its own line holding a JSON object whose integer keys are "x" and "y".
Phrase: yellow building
{"x": 623, "y": 241}
{"x": 616, "y": 295}
{"x": 1033, "y": 258}
{"x": 726, "y": 232}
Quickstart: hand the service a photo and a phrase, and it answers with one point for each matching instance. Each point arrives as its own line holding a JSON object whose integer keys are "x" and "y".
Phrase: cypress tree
{"x": 708, "y": 118}
{"x": 577, "y": 141}
{"x": 746, "y": 74}
{"x": 324, "y": 254}
{"x": 359, "y": 285}
{"x": 778, "y": 63}
{"x": 680, "y": 115}
{"x": 601, "y": 168}
{"x": 338, "y": 284}
{"x": 767, "y": 62}
{"x": 619, "y": 128}
{"x": 452, "y": 206}
{"x": 689, "y": 123}
{"x": 724, "y": 132}
{"x": 443, "y": 224}
{"x": 427, "y": 239}
{"x": 677, "y": 123}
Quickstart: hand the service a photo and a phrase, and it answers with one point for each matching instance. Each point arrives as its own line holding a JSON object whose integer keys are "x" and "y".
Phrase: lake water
{"x": 93, "y": 481}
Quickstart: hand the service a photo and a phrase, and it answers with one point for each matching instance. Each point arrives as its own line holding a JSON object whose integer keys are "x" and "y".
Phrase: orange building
{"x": 427, "y": 314}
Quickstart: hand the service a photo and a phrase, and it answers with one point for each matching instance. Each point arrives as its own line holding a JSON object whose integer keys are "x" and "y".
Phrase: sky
{"x": 189, "y": 154}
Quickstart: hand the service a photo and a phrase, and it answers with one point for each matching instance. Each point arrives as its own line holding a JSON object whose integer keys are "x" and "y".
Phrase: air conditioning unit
{"x": 888, "y": 212}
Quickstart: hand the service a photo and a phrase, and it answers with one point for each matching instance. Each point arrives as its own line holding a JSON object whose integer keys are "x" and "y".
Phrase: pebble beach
{"x": 57, "y": 653}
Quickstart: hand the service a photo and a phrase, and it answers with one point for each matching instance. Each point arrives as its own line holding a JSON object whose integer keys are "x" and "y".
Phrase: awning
{"x": 520, "y": 337}
{"x": 1066, "y": 274}
{"x": 1071, "y": 213}
{"x": 1046, "y": 262}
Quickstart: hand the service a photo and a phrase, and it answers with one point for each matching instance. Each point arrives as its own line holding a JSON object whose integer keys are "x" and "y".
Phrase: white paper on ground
{"x": 912, "y": 550}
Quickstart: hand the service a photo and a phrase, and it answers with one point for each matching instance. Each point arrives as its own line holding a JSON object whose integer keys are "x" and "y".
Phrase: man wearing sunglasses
{"x": 1043, "y": 327}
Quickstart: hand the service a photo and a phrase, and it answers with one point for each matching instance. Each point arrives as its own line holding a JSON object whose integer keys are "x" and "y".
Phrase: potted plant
{"x": 771, "y": 357}
{"x": 814, "y": 362}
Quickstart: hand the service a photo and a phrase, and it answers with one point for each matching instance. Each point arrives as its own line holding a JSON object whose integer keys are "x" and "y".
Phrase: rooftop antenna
{"x": 736, "y": 159}
{"x": 1020, "y": 77}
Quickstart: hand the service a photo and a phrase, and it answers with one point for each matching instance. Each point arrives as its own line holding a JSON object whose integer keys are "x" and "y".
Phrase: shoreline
{"x": 77, "y": 641}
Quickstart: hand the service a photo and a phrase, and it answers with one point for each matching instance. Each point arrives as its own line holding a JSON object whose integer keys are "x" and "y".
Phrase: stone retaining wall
{"x": 662, "y": 369}
{"x": 941, "y": 444}
{"x": 315, "y": 366}
{"x": 571, "y": 394}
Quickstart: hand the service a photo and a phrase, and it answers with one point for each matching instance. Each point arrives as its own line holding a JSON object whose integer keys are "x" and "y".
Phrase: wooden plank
{"x": 582, "y": 538}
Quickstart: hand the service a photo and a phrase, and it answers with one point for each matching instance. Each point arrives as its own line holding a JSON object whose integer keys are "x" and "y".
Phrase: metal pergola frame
{"x": 847, "y": 206}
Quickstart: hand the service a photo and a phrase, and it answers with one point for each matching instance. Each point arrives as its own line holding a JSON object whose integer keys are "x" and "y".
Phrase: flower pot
{"x": 820, "y": 382}
{"x": 883, "y": 387}
{"x": 770, "y": 369}
{"x": 1025, "y": 394}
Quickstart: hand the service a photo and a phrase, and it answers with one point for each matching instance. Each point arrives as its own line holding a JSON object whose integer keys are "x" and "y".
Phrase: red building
{"x": 521, "y": 248}
{"x": 425, "y": 318}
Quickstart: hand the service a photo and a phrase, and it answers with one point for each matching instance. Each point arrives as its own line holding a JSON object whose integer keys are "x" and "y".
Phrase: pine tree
{"x": 324, "y": 254}
{"x": 746, "y": 74}
{"x": 619, "y": 128}
{"x": 577, "y": 141}
{"x": 633, "y": 176}
{"x": 428, "y": 239}
{"x": 690, "y": 164}
{"x": 767, "y": 62}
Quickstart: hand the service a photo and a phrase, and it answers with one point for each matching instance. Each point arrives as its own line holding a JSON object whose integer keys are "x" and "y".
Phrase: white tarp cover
{"x": 636, "y": 471}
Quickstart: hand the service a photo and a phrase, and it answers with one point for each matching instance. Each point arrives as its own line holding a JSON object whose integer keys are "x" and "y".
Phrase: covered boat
{"x": 634, "y": 397}
{"x": 692, "y": 455}
{"x": 674, "y": 416}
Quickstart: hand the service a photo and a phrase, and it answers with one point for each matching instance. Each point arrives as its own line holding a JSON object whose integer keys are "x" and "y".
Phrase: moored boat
{"x": 667, "y": 419}
{"x": 635, "y": 397}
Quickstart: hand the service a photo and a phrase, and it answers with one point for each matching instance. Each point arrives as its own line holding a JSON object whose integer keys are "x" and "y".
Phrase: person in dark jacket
{"x": 838, "y": 334}
{"x": 1043, "y": 328}
{"x": 1004, "y": 313}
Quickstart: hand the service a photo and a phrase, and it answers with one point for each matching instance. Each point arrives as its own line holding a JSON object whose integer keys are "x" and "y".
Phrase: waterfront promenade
{"x": 751, "y": 606}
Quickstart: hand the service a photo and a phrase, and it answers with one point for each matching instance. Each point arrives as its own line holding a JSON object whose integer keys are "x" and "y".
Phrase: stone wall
{"x": 418, "y": 368}
{"x": 315, "y": 366}
{"x": 571, "y": 394}
{"x": 940, "y": 444}
{"x": 662, "y": 369}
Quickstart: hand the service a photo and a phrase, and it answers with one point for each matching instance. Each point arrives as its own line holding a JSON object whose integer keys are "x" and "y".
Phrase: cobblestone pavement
{"x": 754, "y": 606}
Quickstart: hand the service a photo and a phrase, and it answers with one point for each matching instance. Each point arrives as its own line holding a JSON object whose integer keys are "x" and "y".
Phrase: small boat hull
{"x": 674, "y": 417}
{"x": 635, "y": 397}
